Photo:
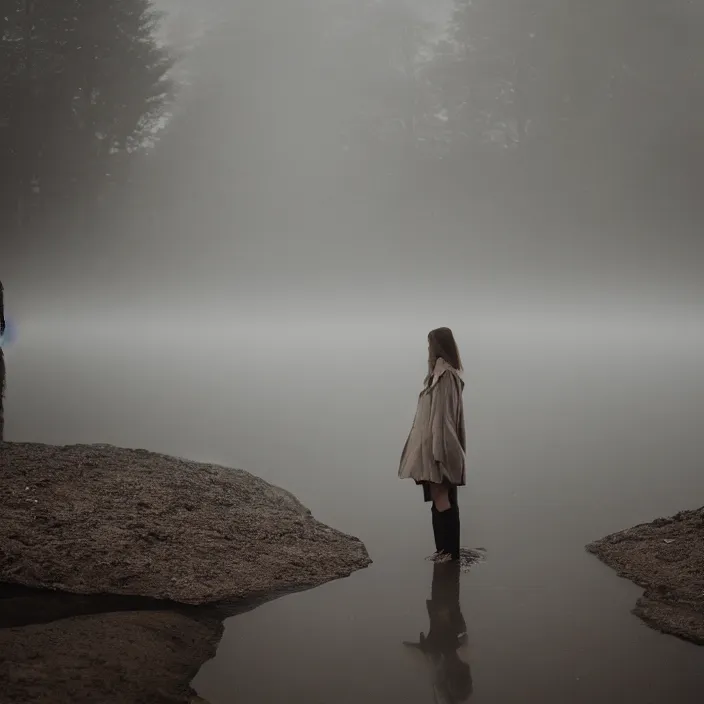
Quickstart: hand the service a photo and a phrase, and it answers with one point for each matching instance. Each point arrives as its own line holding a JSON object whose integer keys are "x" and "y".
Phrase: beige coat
{"x": 435, "y": 448}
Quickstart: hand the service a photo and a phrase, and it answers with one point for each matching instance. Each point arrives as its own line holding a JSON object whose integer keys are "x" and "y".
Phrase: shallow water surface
{"x": 567, "y": 442}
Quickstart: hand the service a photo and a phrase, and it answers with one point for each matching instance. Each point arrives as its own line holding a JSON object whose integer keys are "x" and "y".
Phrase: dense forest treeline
{"x": 81, "y": 84}
{"x": 587, "y": 103}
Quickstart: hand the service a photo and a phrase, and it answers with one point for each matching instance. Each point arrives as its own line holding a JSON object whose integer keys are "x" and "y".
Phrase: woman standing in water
{"x": 434, "y": 453}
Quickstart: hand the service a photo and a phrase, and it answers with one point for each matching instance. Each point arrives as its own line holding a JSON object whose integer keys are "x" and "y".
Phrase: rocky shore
{"x": 666, "y": 558}
{"x": 2, "y": 395}
{"x": 119, "y": 567}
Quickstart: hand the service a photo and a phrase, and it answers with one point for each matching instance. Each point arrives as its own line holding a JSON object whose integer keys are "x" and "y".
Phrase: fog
{"x": 283, "y": 177}
{"x": 225, "y": 235}
{"x": 568, "y": 439}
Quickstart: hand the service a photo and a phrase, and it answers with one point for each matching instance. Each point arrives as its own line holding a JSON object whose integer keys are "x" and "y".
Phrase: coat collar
{"x": 441, "y": 366}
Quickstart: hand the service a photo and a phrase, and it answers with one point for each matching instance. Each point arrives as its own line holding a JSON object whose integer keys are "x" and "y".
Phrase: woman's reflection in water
{"x": 447, "y": 636}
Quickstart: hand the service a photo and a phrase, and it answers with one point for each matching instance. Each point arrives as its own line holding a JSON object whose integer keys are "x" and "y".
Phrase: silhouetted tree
{"x": 561, "y": 90}
{"x": 82, "y": 84}
{"x": 513, "y": 71}
{"x": 374, "y": 58}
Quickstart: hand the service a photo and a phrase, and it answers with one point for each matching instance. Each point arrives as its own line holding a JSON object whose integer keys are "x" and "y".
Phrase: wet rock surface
{"x": 97, "y": 519}
{"x": 111, "y": 561}
{"x": 666, "y": 558}
{"x": 469, "y": 558}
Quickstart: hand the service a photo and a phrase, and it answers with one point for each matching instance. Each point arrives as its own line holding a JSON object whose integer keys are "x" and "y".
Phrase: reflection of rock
{"x": 95, "y": 519}
{"x": 666, "y": 558}
{"x": 115, "y": 657}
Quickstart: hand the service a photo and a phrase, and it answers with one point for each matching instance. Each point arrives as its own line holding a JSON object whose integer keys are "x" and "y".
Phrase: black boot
{"x": 451, "y": 532}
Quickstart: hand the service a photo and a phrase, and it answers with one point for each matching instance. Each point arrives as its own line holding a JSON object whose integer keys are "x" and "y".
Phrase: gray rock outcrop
{"x": 97, "y": 519}
{"x": 666, "y": 558}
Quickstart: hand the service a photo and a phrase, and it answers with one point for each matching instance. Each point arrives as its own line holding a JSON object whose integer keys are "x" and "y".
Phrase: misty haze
{"x": 227, "y": 229}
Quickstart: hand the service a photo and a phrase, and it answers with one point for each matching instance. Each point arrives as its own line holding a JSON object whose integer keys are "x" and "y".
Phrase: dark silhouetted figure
{"x": 451, "y": 676}
{"x": 2, "y": 366}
